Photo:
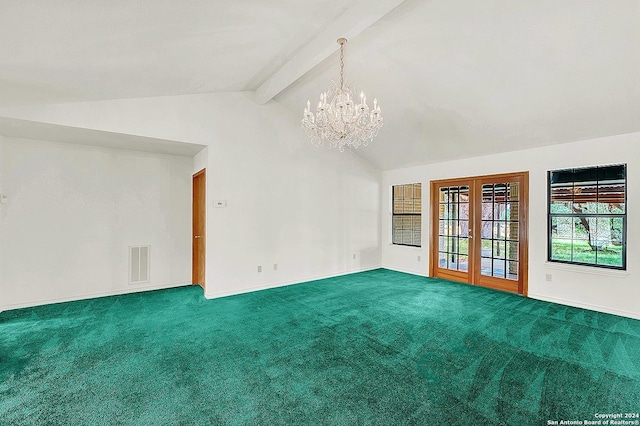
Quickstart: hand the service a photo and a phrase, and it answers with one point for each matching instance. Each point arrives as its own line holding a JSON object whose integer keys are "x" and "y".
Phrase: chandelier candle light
{"x": 339, "y": 120}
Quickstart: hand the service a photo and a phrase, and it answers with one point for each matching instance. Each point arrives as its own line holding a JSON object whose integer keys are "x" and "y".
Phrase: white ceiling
{"x": 455, "y": 78}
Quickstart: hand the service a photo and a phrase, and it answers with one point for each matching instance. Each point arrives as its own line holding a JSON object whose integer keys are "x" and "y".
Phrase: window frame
{"x": 577, "y": 216}
{"x": 413, "y": 214}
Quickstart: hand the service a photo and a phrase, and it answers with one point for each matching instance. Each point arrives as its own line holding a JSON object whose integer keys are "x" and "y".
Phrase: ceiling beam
{"x": 352, "y": 22}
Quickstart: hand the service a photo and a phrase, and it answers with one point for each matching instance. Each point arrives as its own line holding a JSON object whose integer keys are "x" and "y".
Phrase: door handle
{"x": 197, "y": 236}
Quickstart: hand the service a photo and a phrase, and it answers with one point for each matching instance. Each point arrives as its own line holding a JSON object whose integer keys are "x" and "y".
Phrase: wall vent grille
{"x": 139, "y": 264}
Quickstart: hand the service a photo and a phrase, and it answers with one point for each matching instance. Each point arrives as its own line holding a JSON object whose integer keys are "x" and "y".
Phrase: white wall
{"x": 308, "y": 210}
{"x": 591, "y": 288}
{"x": 73, "y": 212}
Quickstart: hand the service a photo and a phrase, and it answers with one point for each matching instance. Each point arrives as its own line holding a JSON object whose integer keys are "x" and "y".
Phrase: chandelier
{"x": 339, "y": 120}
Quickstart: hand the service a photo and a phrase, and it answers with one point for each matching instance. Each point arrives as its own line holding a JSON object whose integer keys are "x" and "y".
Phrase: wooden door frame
{"x": 475, "y": 215}
{"x": 202, "y": 174}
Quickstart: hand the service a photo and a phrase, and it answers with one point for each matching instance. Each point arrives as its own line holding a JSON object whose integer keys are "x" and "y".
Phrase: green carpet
{"x": 376, "y": 347}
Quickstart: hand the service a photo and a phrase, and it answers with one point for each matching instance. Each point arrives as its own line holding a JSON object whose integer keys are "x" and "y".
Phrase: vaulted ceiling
{"x": 455, "y": 78}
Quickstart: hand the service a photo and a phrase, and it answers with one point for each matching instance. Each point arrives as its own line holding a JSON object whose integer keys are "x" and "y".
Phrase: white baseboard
{"x": 588, "y": 306}
{"x": 215, "y": 295}
{"x": 124, "y": 290}
{"x": 406, "y": 271}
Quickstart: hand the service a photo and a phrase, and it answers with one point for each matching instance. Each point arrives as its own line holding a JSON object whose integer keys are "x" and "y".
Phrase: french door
{"x": 479, "y": 232}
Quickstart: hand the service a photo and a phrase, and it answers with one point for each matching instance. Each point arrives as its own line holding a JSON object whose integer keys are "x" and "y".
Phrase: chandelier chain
{"x": 342, "y": 65}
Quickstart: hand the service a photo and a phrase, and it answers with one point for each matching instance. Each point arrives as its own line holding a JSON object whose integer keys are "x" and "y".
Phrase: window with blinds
{"x": 407, "y": 214}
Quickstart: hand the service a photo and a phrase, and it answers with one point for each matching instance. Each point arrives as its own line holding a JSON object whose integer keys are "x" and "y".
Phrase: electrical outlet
{"x": 259, "y": 268}
{"x": 548, "y": 277}
{"x": 354, "y": 255}
{"x": 419, "y": 257}
{"x": 275, "y": 266}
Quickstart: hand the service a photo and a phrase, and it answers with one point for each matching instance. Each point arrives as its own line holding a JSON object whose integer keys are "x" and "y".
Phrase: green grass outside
{"x": 610, "y": 255}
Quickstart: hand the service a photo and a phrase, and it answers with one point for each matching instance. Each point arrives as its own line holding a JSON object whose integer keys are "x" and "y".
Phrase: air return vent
{"x": 139, "y": 264}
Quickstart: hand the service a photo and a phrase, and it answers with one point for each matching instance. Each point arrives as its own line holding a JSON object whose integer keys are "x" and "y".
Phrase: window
{"x": 587, "y": 216}
{"x": 407, "y": 214}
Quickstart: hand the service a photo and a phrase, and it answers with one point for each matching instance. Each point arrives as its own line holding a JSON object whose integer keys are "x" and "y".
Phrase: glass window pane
{"x": 561, "y": 249}
{"x": 580, "y": 232}
{"x": 463, "y": 263}
{"x": 486, "y": 229}
{"x": 486, "y": 247}
{"x": 417, "y": 190}
{"x": 397, "y": 206}
{"x": 416, "y": 238}
{"x": 499, "y": 230}
{"x": 442, "y": 244}
{"x": 612, "y": 194}
{"x": 487, "y": 193}
{"x": 499, "y": 268}
{"x": 408, "y": 206}
{"x": 487, "y": 211}
{"x": 416, "y": 223}
{"x": 442, "y": 260}
{"x": 408, "y": 191}
{"x": 442, "y": 227}
{"x": 514, "y": 191}
{"x": 610, "y": 256}
{"x": 511, "y": 230}
{"x": 453, "y": 194}
{"x": 562, "y": 227}
{"x": 444, "y": 195}
{"x": 450, "y": 247}
{"x": 485, "y": 266}
{"x": 463, "y": 212}
{"x": 417, "y": 205}
{"x": 617, "y": 231}
{"x": 561, "y": 198}
{"x": 512, "y": 250}
{"x": 585, "y": 192}
{"x": 499, "y": 211}
{"x": 463, "y": 246}
{"x": 442, "y": 208}
{"x": 512, "y": 270}
{"x": 582, "y": 252}
{"x": 453, "y": 227}
{"x": 513, "y": 211}
{"x": 464, "y": 228}
{"x": 407, "y": 236}
{"x": 499, "y": 249}
{"x": 610, "y": 208}
{"x": 500, "y": 192}
{"x": 464, "y": 194}
{"x": 453, "y": 211}
{"x": 452, "y": 261}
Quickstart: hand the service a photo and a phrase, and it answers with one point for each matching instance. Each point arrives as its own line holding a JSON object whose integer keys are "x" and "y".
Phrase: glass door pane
{"x": 499, "y": 230}
{"x": 453, "y": 228}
